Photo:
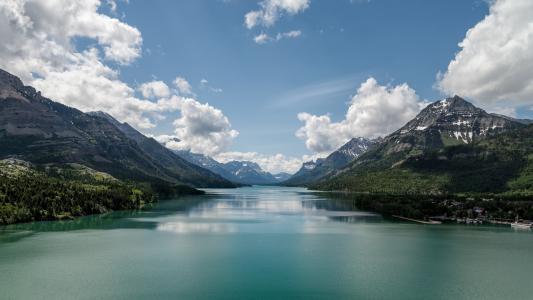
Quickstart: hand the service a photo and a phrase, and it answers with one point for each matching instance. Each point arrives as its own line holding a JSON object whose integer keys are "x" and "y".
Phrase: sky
{"x": 277, "y": 82}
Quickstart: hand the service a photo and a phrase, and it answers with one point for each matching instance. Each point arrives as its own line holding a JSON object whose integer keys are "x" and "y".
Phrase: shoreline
{"x": 418, "y": 221}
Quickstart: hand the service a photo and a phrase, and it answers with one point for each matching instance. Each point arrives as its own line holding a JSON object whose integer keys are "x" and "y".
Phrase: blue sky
{"x": 394, "y": 41}
{"x": 271, "y": 80}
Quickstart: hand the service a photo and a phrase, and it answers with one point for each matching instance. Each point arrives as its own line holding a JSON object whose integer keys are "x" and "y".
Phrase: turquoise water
{"x": 261, "y": 243}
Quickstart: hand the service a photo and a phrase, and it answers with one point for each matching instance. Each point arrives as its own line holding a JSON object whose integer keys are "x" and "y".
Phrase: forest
{"x": 30, "y": 193}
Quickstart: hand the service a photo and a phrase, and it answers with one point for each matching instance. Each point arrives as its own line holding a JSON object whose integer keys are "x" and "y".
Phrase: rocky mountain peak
{"x": 454, "y": 119}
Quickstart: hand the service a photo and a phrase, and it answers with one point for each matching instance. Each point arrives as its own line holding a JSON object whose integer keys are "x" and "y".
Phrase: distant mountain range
{"x": 242, "y": 172}
{"x": 451, "y": 146}
{"x": 313, "y": 171}
{"x": 41, "y": 131}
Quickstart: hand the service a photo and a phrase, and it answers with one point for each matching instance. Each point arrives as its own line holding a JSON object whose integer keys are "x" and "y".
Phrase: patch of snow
{"x": 461, "y": 122}
{"x": 465, "y": 137}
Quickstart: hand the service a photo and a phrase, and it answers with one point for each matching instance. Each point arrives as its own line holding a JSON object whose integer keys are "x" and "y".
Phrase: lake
{"x": 261, "y": 243}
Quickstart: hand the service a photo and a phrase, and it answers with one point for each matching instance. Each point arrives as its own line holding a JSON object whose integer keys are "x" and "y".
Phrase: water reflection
{"x": 108, "y": 221}
{"x": 185, "y": 227}
{"x": 266, "y": 210}
{"x": 220, "y": 211}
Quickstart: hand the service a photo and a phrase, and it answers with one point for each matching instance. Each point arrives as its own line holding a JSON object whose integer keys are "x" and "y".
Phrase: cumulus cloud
{"x": 201, "y": 128}
{"x": 374, "y": 111}
{"x": 271, "y": 163}
{"x": 154, "y": 89}
{"x": 495, "y": 64}
{"x": 183, "y": 86}
{"x": 271, "y": 10}
{"x": 268, "y": 13}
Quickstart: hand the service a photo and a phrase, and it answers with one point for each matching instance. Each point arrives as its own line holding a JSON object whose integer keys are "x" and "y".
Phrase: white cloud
{"x": 165, "y": 138}
{"x": 506, "y": 111}
{"x": 272, "y": 10}
{"x": 495, "y": 64}
{"x": 288, "y": 35}
{"x": 262, "y": 38}
{"x": 374, "y": 111}
{"x": 183, "y": 86}
{"x": 201, "y": 128}
{"x": 154, "y": 89}
{"x": 271, "y": 163}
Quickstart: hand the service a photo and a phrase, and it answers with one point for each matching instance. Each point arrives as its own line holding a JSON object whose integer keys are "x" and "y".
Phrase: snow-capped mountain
{"x": 450, "y": 121}
{"x": 244, "y": 172}
{"x": 249, "y": 172}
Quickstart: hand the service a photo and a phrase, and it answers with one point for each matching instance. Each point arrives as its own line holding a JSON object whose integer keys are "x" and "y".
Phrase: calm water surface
{"x": 261, "y": 243}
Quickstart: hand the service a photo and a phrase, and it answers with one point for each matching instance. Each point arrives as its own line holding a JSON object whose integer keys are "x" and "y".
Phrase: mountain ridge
{"x": 240, "y": 172}
{"x": 39, "y": 130}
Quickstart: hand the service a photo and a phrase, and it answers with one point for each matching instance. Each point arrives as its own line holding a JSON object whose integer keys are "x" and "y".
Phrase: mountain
{"x": 452, "y": 121}
{"x": 282, "y": 176}
{"x": 451, "y": 146}
{"x": 208, "y": 163}
{"x": 185, "y": 171}
{"x": 311, "y": 172}
{"x": 41, "y": 131}
{"x": 239, "y": 172}
{"x": 248, "y": 172}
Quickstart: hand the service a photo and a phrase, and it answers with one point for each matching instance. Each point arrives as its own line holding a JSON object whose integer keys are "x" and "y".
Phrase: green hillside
{"x": 32, "y": 193}
{"x": 502, "y": 163}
